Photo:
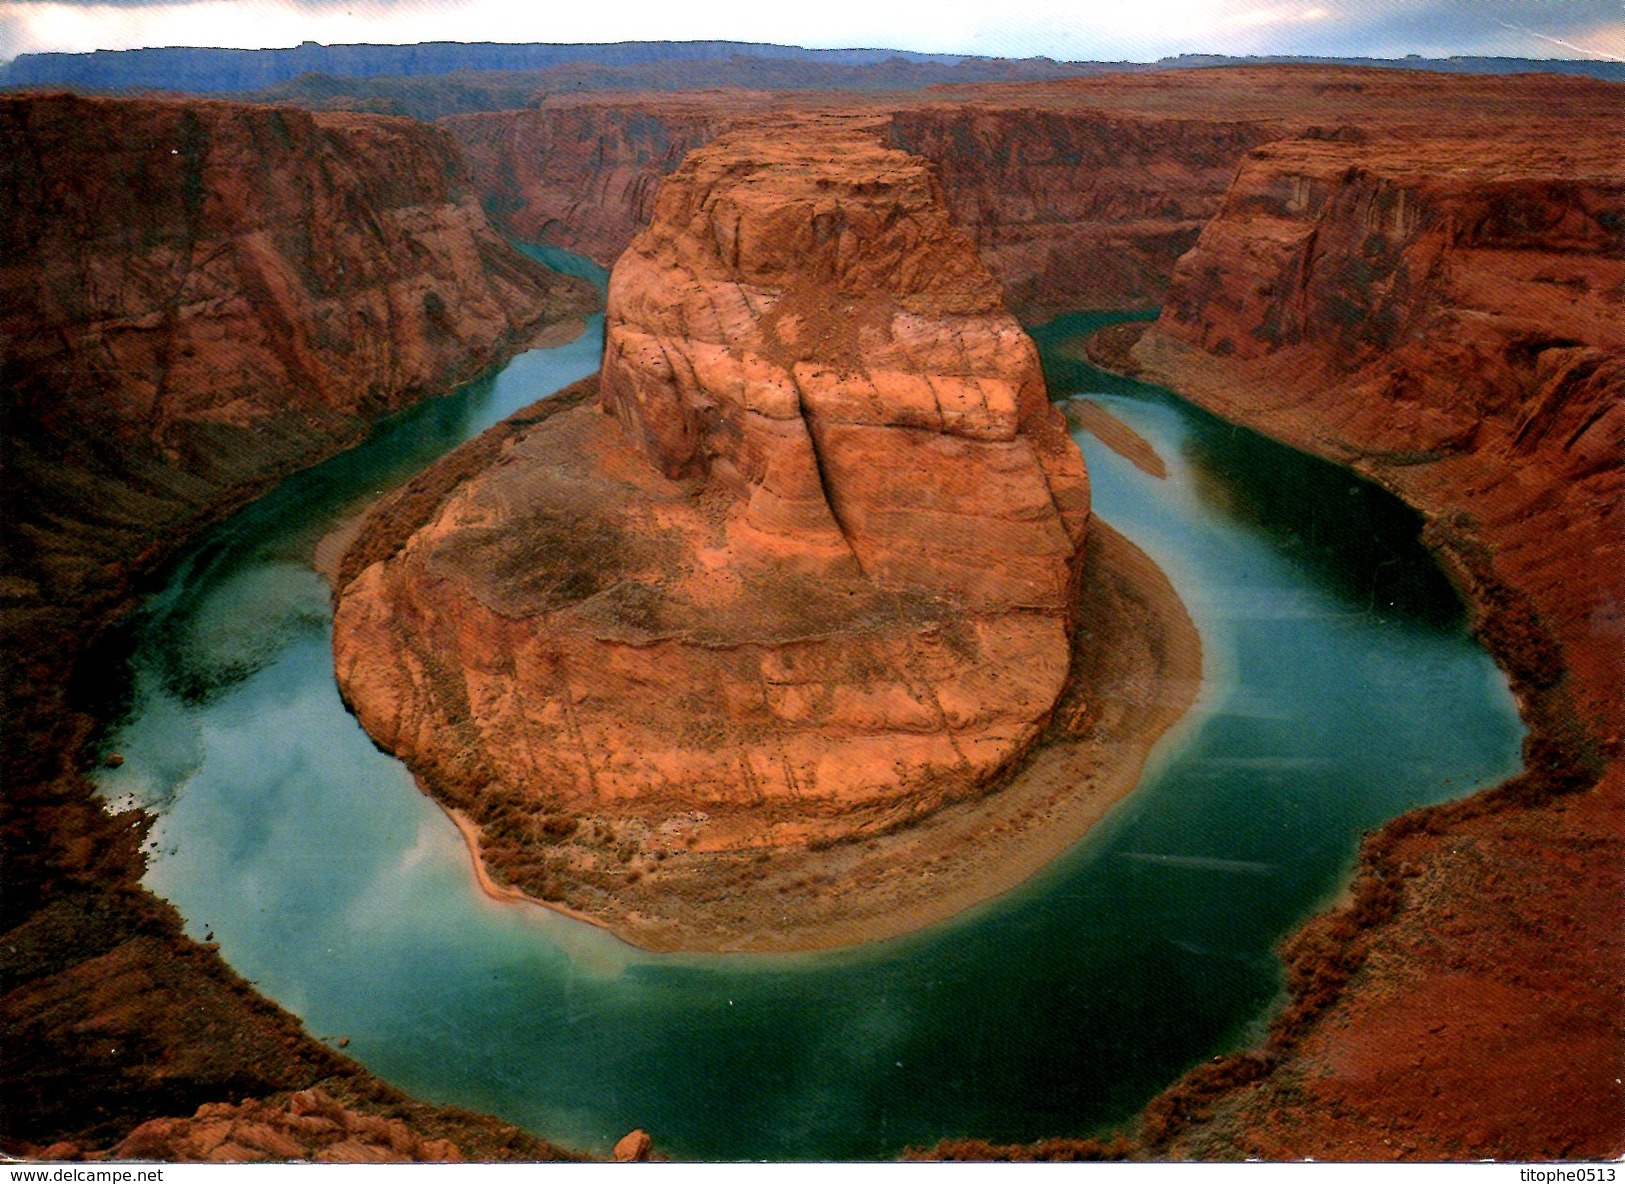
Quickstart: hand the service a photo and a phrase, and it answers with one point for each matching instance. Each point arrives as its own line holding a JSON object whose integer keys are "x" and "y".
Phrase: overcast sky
{"x": 1139, "y": 30}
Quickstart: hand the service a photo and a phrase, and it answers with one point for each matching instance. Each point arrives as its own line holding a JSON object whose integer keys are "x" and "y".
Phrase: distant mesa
{"x": 642, "y": 65}
{"x": 200, "y": 69}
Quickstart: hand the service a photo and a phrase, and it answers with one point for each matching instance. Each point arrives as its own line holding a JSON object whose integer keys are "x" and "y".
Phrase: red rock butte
{"x": 806, "y": 570}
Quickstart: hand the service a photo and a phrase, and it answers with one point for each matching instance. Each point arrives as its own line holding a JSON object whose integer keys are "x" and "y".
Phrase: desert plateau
{"x": 710, "y": 602}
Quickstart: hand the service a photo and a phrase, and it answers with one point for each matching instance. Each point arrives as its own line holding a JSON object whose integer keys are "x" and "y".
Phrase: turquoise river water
{"x": 1341, "y": 688}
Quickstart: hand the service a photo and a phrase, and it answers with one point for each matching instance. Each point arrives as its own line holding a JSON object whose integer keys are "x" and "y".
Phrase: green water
{"x": 1341, "y": 688}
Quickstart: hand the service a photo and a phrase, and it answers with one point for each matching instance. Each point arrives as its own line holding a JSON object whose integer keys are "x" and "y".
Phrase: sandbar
{"x": 1116, "y": 435}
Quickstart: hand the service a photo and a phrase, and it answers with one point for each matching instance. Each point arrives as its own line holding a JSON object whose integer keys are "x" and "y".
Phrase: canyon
{"x": 196, "y": 299}
{"x": 1457, "y": 334}
{"x": 1416, "y": 276}
{"x": 583, "y": 175}
{"x": 200, "y": 298}
{"x": 1080, "y": 194}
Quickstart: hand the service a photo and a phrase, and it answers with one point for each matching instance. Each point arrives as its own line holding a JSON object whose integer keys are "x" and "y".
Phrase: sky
{"x": 1138, "y": 30}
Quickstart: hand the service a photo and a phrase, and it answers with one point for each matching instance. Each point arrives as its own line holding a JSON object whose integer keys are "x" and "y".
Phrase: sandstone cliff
{"x": 811, "y": 575}
{"x": 1458, "y": 331}
{"x": 1072, "y": 206}
{"x": 1447, "y": 314}
{"x": 1438, "y": 1048}
{"x": 582, "y": 174}
{"x": 1079, "y": 193}
{"x": 197, "y": 298}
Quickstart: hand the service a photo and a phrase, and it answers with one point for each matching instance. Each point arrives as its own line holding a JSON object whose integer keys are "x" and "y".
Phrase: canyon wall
{"x": 582, "y": 174}
{"x": 1071, "y": 206}
{"x": 1458, "y": 331}
{"x": 1077, "y": 208}
{"x": 1080, "y": 193}
{"x": 195, "y": 299}
{"x": 1083, "y": 193}
{"x": 1439, "y": 310}
{"x": 1446, "y": 313}
{"x": 806, "y": 569}
{"x": 198, "y": 298}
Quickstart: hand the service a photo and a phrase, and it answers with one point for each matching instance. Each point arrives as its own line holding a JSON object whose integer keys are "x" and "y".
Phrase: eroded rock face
{"x": 198, "y": 297}
{"x": 1079, "y": 193}
{"x": 582, "y": 174}
{"x": 806, "y": 330}
{"x": 1075, "y": 205}
{"x": 1446, "y": 313}
{"x": 308, "y": 1126}
{"x": 811, "y": 574}
{"x": 1073, "y": 201}
{"x": 1457, "y": 331}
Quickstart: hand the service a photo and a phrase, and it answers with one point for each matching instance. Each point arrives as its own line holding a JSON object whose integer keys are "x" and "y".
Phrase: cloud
{"x": 11, "y": 36}
{"x": 1532, "y": 28}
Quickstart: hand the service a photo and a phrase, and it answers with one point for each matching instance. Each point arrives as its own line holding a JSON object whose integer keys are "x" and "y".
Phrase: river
{"x": 1341, "y": 688}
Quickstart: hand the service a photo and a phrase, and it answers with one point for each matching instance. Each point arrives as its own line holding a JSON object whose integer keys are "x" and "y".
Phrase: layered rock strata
{"x": 807, "y": 568}
{"x": 1446, "y": 314}
{"x": 197, "y": 298}
{"x": 1079, "y": 193}
{"x": 1071, "y": 206}
{"x": 1409, "y": 1074}
{"x": 582, "y": 174}
{"x": 1458, "y": 332}
{"x": 1074, "y": 207}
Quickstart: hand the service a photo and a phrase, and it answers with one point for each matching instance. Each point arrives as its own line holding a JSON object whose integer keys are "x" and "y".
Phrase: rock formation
{"x": 309, "y": 1126}
{"x": 1482, "y": 1018}
{"x": 197, "y": 298}
{"x": 806, "y": 571}
{"x": 1079, "y": 193}
{"x": 633, "y": 1147}
{"x": 1073, "y": 206}
{"x": 1072, "y": 203}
